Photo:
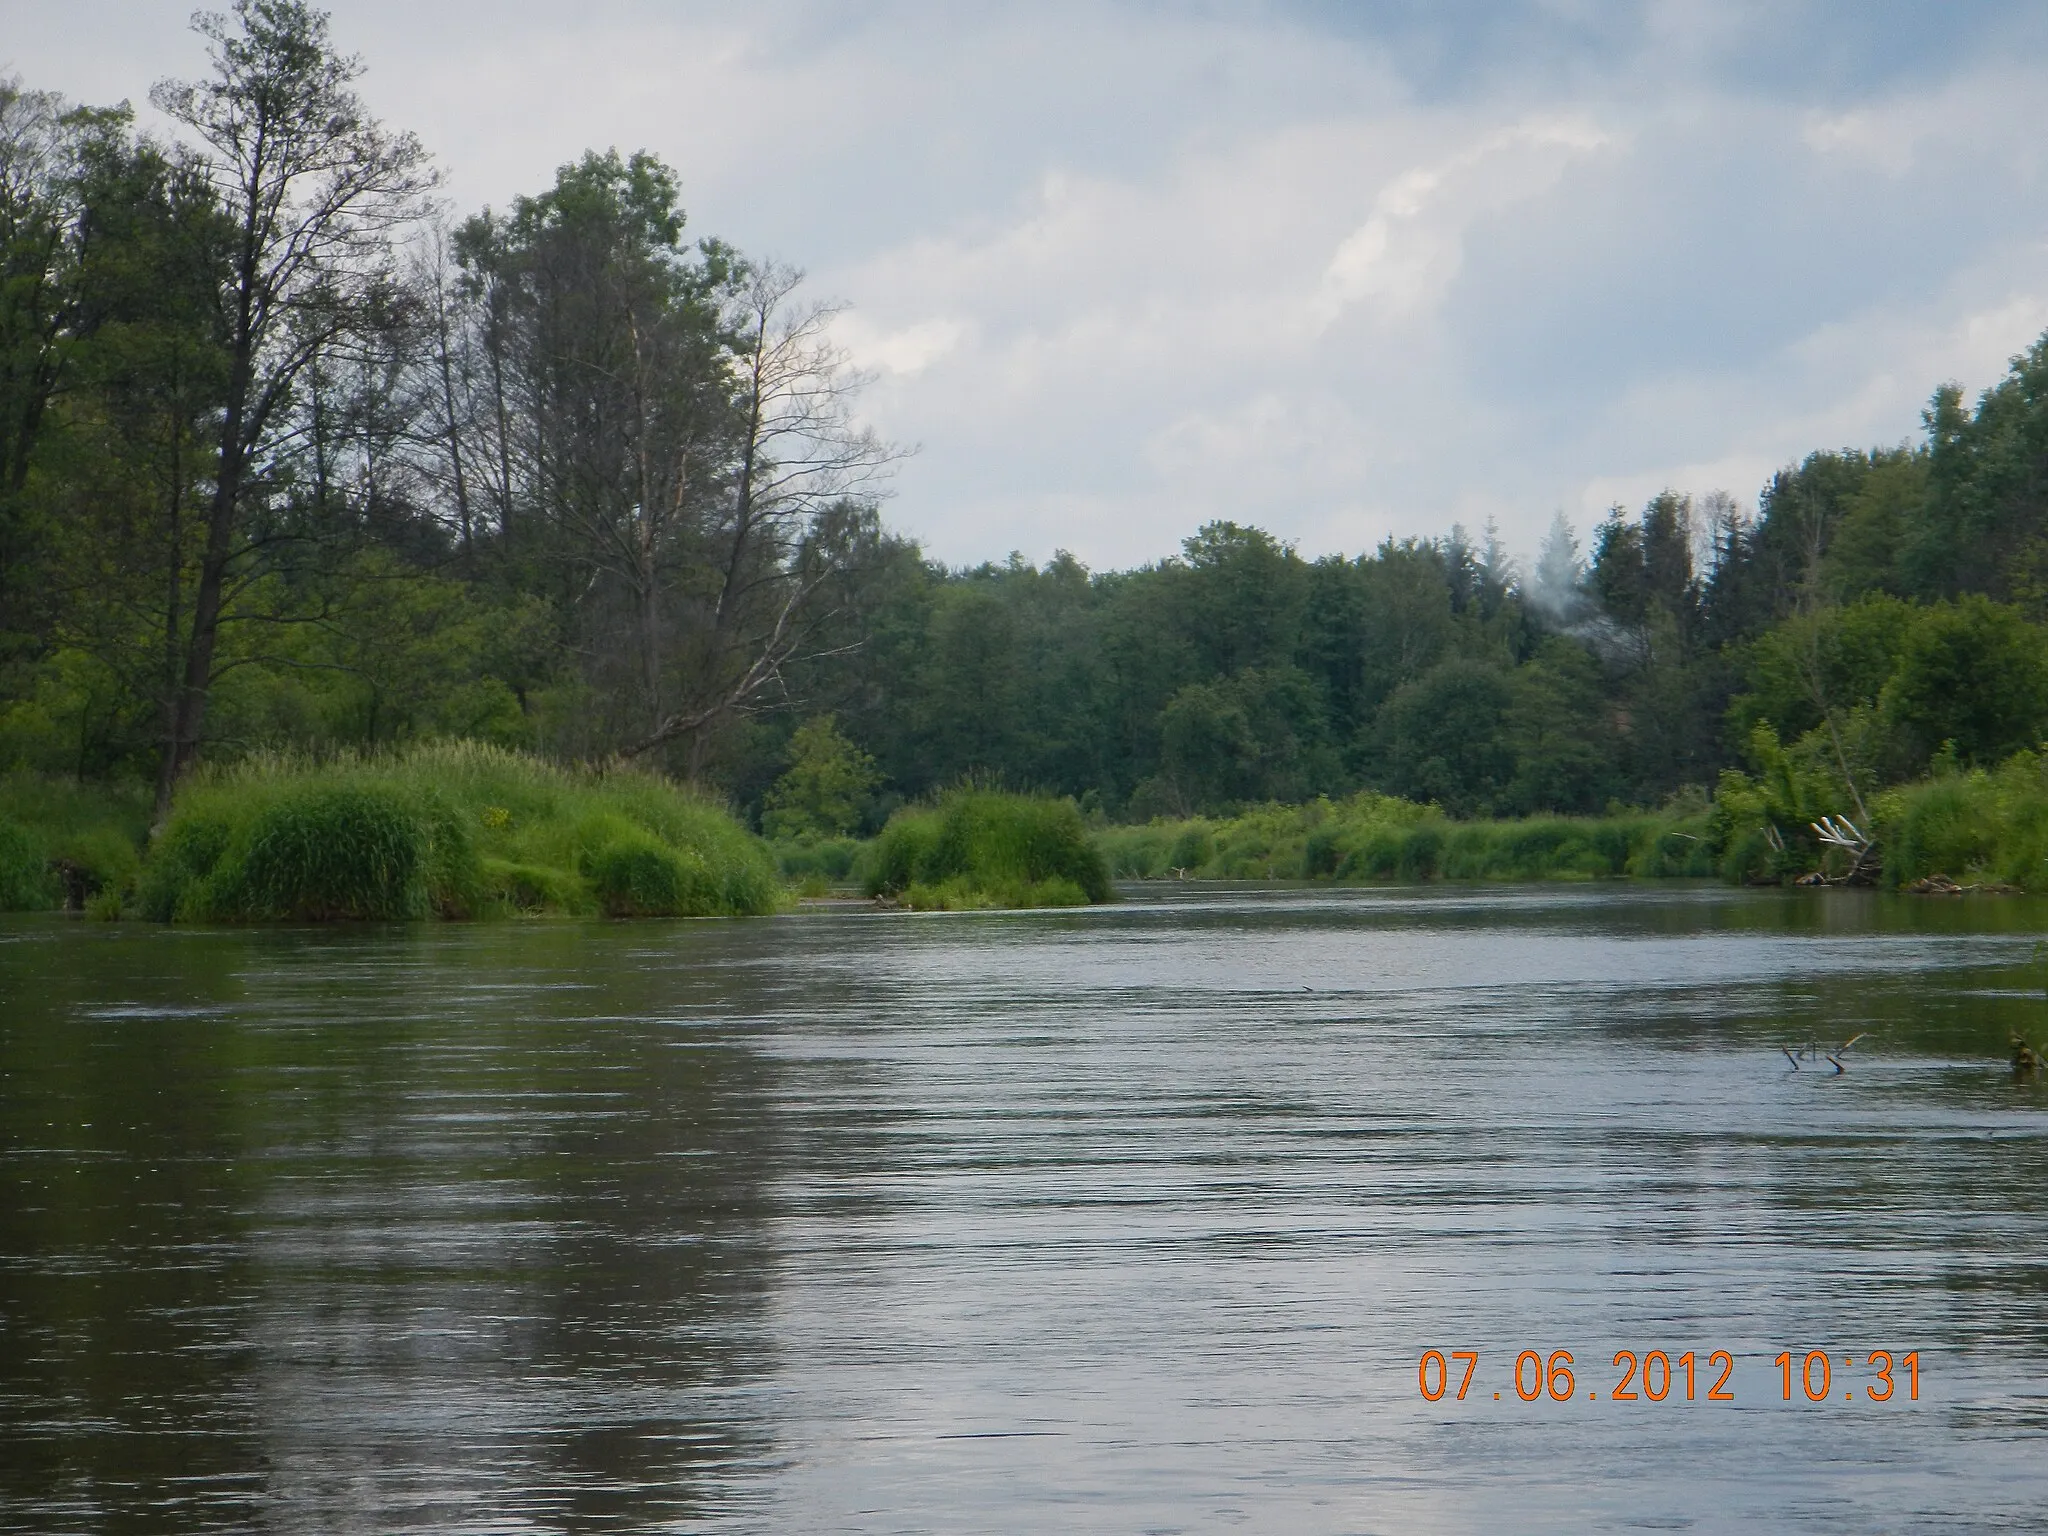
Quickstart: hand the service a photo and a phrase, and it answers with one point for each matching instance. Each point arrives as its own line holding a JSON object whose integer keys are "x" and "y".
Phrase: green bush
{"x": 1977, "y": 826}
{"x": 981, "y": 847}
{"x": 638, "y": 875}
{"x": 454, "y": 830}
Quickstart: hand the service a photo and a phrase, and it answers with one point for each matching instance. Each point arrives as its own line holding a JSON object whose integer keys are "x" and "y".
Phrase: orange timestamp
{"x": 1657, "y": 1376}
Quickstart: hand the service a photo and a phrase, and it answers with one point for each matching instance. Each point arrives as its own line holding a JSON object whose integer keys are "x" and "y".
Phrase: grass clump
{"x": 448, "y": 830}
{"x": 981, "y": 848}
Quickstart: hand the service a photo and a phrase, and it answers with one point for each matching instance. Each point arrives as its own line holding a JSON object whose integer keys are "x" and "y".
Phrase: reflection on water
{"x": 1134, "y": 1220}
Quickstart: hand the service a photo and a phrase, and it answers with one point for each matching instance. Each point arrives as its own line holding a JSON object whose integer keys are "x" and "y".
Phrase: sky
{"x": 1345, "y": 271}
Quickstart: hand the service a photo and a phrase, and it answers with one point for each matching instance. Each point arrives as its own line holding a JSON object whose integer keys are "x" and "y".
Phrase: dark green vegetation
{"x": 285, "y": 468}
{"x": 983, "y": 848}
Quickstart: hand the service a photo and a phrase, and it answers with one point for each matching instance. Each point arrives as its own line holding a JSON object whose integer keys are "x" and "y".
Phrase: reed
{"x": 448, "y": 830}
{"x": 1376, "y": 838}
{"x": 986, "y": 848}
{"x": 1987, "y": 826}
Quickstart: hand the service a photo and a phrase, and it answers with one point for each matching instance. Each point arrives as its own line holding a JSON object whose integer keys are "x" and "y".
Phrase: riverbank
{"x": 1983, "y": 829}
{"x": 458, "y": 830}
{"x": 462, "y": 830}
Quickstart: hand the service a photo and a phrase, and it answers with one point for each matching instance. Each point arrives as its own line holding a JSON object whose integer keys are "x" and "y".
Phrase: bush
{"x": 457, "y": 830}
{"x": 985, "y": 848}
{"x": 638, "y": 875}
{"x": 1982, "y": 825}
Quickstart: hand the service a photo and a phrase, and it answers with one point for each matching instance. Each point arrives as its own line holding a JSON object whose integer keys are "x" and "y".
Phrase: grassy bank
{"x": 464, "y": 830}
{"x": 458, "y": 830}
{"x": 1981, "y": 828}
{"x": 1377, "y": 838}
{"x": 982, "y": 848}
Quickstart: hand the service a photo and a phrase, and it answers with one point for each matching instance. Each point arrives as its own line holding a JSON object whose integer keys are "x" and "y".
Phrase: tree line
{"x": 290, "y": 457}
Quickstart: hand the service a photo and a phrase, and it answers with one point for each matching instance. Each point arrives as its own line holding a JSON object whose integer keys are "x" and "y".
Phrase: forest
{"x": 296, "y": 459}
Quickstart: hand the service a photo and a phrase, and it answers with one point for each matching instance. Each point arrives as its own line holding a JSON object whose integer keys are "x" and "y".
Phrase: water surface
{"x": 1133, "y": 1220}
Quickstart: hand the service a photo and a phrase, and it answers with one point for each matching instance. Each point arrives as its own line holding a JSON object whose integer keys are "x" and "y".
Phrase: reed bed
{"x": 1374, "y": 838}
{"x": 450, "y": 830}
{"x": 983, "y": 848}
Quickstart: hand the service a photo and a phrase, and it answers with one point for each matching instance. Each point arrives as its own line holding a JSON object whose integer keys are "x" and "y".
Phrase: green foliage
{"x": 62, "y": 840}
{"x": 980, "y": 847}
{"x": 26, "y": 882}
{"x": 826, "y": 788}
{"x": 1442, "y": 738}
{"x": 1983, "y": 525}
{"x": 1974, "y": 673}
{"x": 1979, "y": 825}
{"x": 405, "y": 576}
{"x": 823, "y": 861}
{"x": 453, "y": 830}
{"x": 322, "y": 852}
{"x": 1379, "y": 838}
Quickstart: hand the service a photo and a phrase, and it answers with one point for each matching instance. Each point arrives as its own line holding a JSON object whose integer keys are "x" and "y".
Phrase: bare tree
{"x": 802, "y": 470}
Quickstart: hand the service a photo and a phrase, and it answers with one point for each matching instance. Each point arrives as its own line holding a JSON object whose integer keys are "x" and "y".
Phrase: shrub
{"x": 67, "y": 840}
{"x": 982, "y": 847}
{"x": 638, "y": 875}
{"x": 823, "y": 860}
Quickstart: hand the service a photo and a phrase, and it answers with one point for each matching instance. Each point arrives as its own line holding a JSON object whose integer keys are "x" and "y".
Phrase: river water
{"x": 1128, "y": 1220}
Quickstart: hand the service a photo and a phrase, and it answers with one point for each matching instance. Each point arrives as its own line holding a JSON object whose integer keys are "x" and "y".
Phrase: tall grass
{"x": 451, "y": 830}
{"x": 986, "y": 848}
{"x": 1377, "y": 838}
{"x": 1985, "y": 825}
{"x": 62, "y": 840}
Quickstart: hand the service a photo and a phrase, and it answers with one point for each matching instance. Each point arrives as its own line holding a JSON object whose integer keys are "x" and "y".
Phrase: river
{"x": 1137, "y": 1219}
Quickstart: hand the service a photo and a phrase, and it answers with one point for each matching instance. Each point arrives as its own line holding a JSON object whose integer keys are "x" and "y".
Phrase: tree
{"x": 127, "y": 459}
{"x": 38, "y": 250}
{"x": 1973, "y": 674}
{"x": 1557, "y": 588}
{"x": 799, "y": 506}
{"x": 677, "y": 428}
{"x": 826, "y": 788}
{"x": 1444, "y": 737}
{"x": 317, "y": 192}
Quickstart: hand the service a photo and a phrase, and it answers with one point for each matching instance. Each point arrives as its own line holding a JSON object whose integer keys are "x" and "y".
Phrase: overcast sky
{"x": 1340, "y": 270}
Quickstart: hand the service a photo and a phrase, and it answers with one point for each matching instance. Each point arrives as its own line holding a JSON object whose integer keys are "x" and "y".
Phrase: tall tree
{"x": 318, "y": 193}
{"x": 38, "y": 229}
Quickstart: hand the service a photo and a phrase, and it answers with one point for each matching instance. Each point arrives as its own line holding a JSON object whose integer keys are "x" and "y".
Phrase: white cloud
{"x": 1121, "y": 268}
{"x": 1404, "y": 257}
{"x": 906, "y": 351}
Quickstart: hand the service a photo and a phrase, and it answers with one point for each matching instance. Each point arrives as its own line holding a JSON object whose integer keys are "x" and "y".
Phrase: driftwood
{"x": 1864, "y": 862}
{"x": 1941, "y": 885}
